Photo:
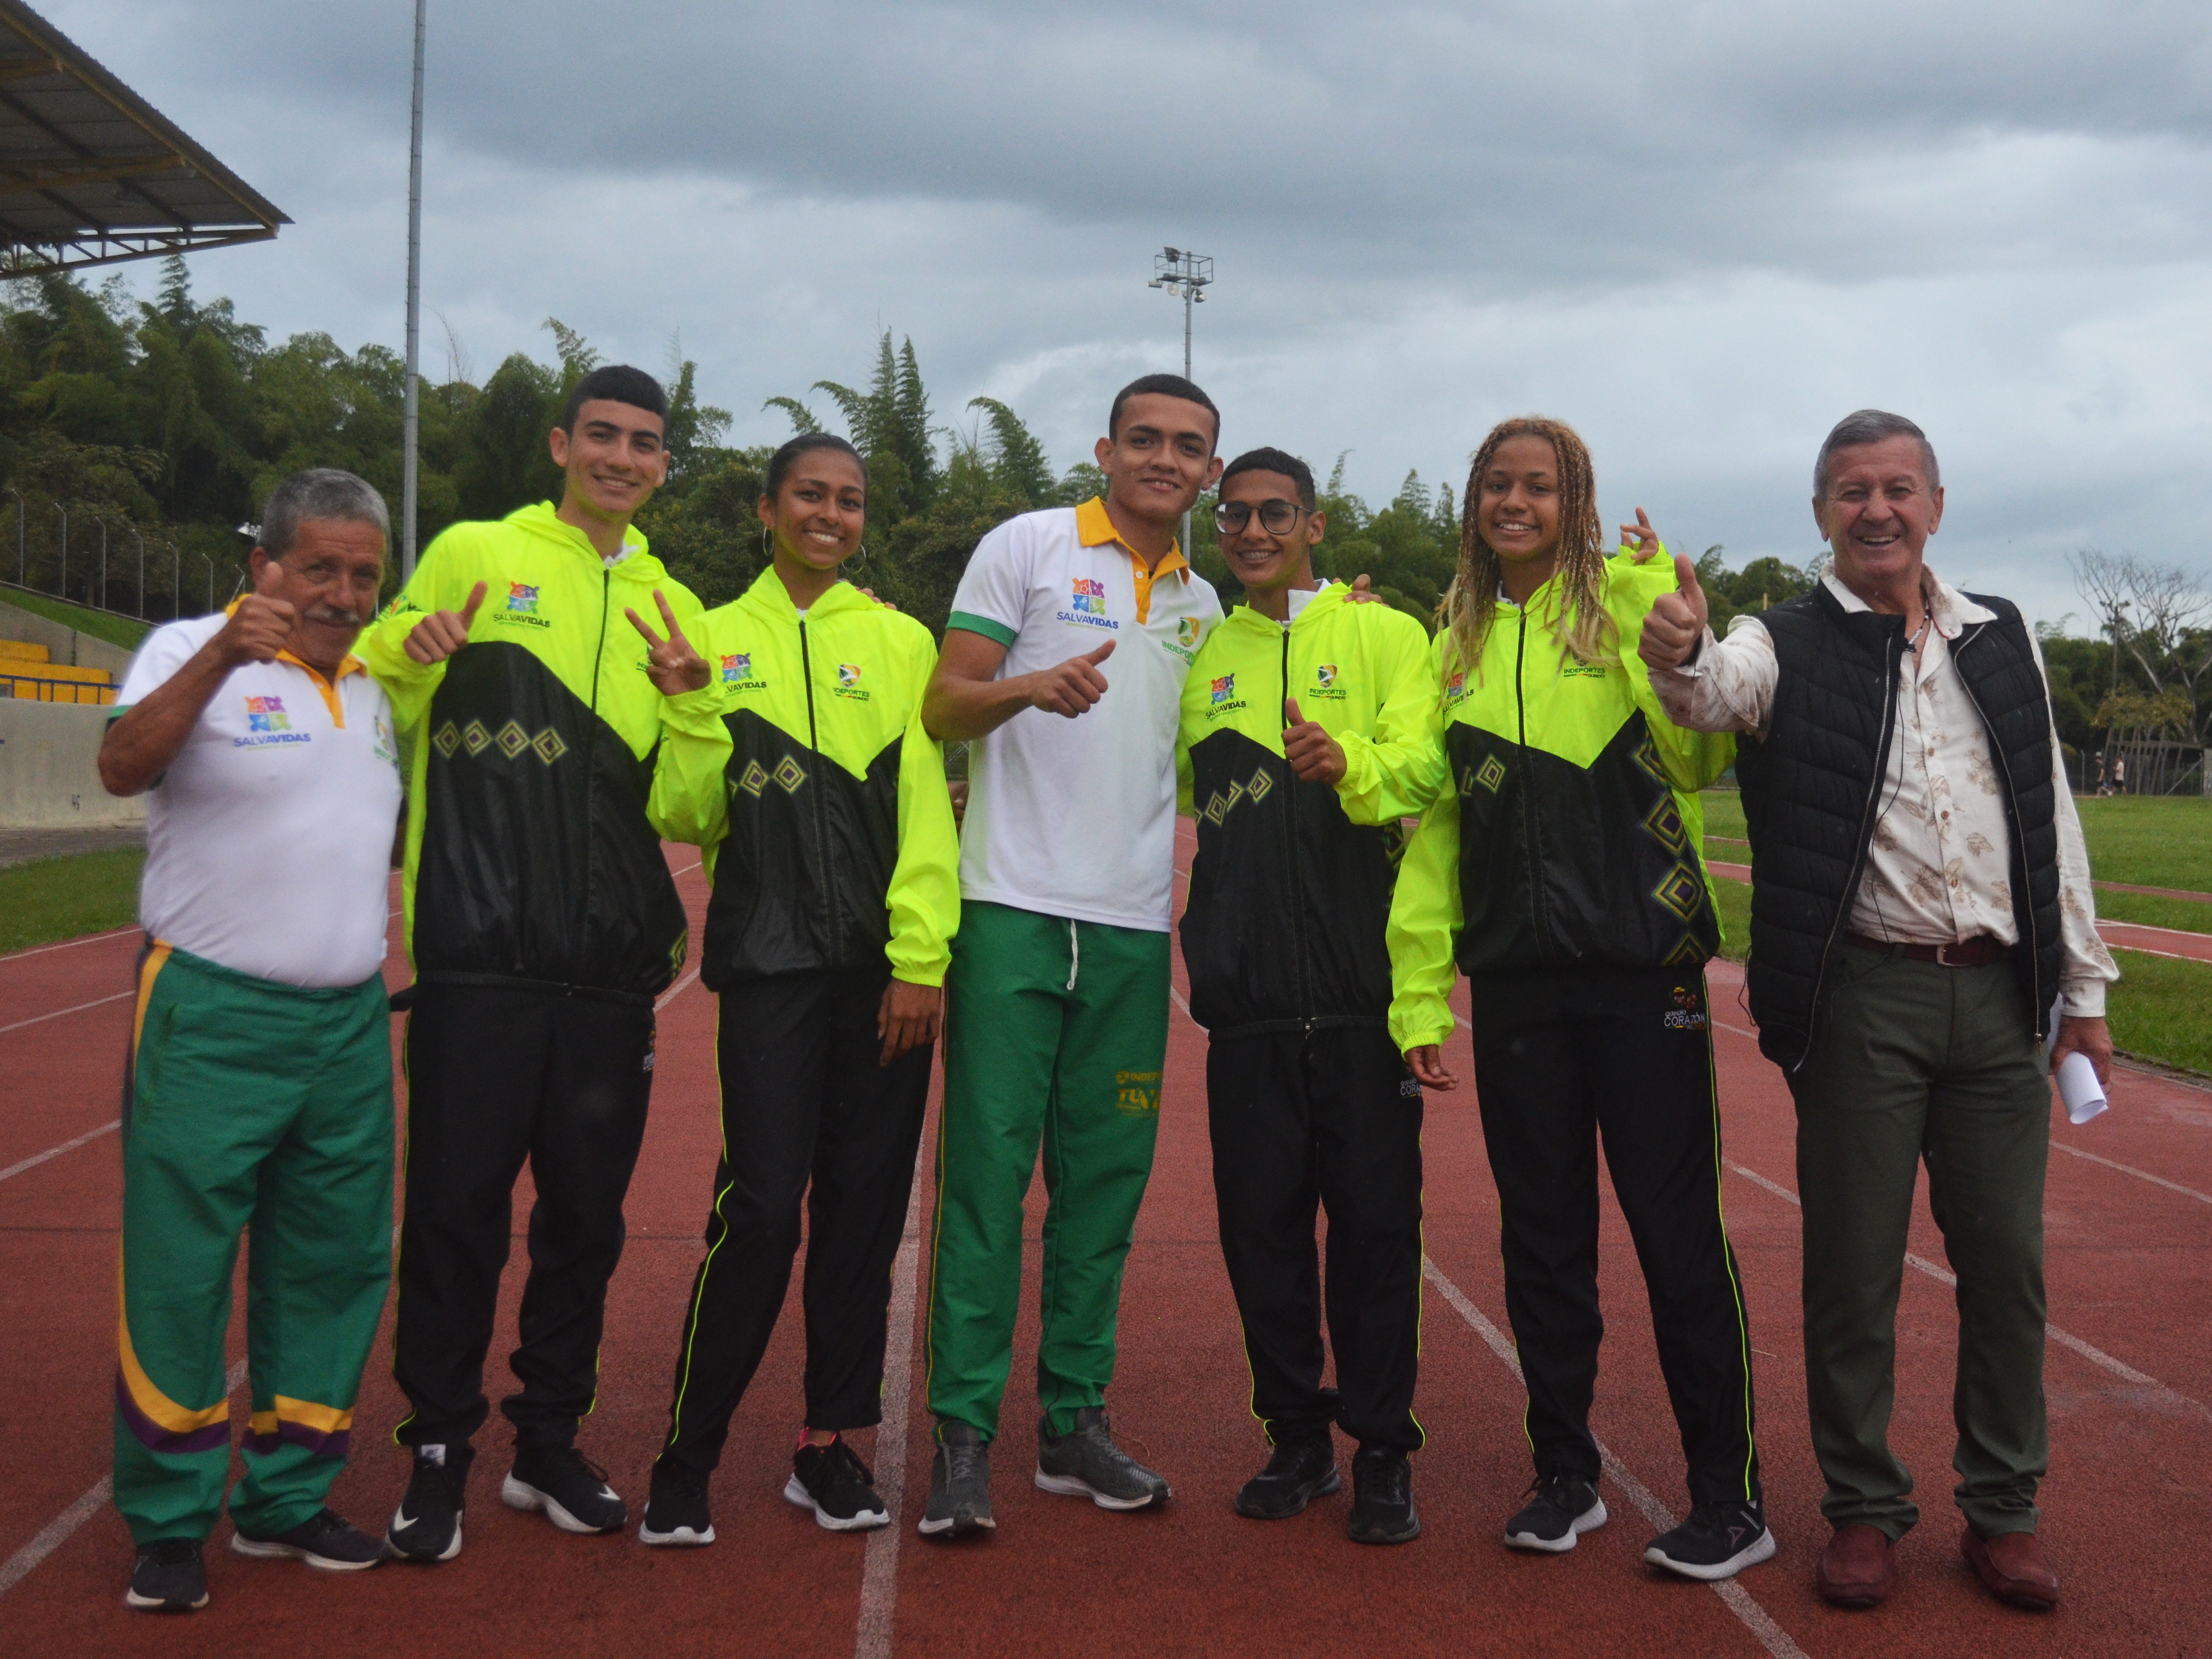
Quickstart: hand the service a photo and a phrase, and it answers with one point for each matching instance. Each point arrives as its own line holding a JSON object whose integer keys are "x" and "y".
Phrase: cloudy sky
{"x": 1700, "y": 233}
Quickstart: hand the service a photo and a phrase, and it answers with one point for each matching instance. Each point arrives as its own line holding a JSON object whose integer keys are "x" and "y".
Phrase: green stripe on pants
{"x": 1055, "y": 1034}
{"x": 261, "y": 1106}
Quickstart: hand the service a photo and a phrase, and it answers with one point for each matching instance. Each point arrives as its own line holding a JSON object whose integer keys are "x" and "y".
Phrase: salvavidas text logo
{"x": 521, "y": 606}
{"x": 1221, "y": 695}
{"x": 267, "y": 723}
{"x": 737, "y": 671}
{"x": 1086, "y": 605}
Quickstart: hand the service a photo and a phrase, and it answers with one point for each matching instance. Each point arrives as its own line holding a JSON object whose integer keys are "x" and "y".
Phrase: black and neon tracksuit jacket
{"x": 1572, "y": 832}
{"x": 1290, "y": 891}
{"x": 828, "y": 829}
{"x": 533, "y": 840}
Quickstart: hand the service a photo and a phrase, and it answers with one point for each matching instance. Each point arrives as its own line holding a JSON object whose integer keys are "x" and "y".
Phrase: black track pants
{"x": 494, "y": 1076}
{"x": 1626, "y": 1051}
{"x": 1301, "y": 1120}
{"x": 806, "y": 1113}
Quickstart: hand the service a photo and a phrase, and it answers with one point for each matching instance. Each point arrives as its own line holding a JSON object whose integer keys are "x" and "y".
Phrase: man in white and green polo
{"x": 1070, "y": 635}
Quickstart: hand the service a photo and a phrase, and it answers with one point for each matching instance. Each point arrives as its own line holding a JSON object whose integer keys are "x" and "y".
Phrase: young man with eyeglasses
{"x": 1063, "y": 660}
{"x": 1303, "y": 742}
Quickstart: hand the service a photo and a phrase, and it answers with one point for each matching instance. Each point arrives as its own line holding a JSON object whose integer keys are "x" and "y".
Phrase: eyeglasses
{"x": 1277, "y": 517}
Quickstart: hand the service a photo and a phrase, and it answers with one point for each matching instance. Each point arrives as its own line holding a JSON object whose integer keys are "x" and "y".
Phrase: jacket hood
{"x": 540, "y": 520}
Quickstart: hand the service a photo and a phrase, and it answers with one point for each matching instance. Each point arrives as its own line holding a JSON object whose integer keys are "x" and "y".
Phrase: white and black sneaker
{"x": 326, "y": 1540}
{"x": 840, "y": 1490}
{"x": 1560, "y": 1508}
{"x": 676, "y": 1512}
{"x": 426, "y": 1528}
{"x": 169, "y": 1576}
{"x": 567, "y": 1486}
{"x": 1086, "y": 1463}
{"x": 1717, "y": 1541}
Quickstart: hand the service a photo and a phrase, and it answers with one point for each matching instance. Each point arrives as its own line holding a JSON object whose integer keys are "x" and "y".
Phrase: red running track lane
{"x": 2125, "y": 1509}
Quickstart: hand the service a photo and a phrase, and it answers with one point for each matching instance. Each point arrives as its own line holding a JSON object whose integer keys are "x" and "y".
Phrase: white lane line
{"x": 2145, "y": 950}
{"x": 56, "y": 1533}
{"x": 1182, "y": 1004}
{"x": 66, "y": 945}
{"x": 2170, "y": 1401}
{"x": 2124, "y": 1168}
{"x": 879, "y": 1571}
{"x": 36, "y": 1160}
{"x": 675, "y": 991}
{"x": 1738, "y": 1600}
{"x": 40, "y": 1019}
{"x": 2103, "y": 922}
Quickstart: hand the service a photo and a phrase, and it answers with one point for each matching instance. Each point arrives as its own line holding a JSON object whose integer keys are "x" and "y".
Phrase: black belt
{"x": 1979, "y": 951}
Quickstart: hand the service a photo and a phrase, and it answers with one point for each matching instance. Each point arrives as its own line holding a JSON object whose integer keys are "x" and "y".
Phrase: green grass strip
{"x": 116, "y": 630}
{"x": 51, "y": 899}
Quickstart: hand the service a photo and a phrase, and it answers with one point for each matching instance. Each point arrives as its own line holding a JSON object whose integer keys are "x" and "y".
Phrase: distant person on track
{"x": 1070, "y": 637}
{"x": 258, "y": 1097}
{"x": 829, "y": 836}
{"x": 1920, "y": 902}
{"x": 1306, "y": 737}
{"x": 542, "y": 923}
{"x": 1563, "y": 871}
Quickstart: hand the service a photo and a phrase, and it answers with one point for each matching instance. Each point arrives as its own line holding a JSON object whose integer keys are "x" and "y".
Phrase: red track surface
{"x": 2126, "y": 1510}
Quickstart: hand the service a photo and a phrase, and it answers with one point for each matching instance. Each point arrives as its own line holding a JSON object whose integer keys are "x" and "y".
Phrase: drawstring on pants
{"x": 1074, "y": 954}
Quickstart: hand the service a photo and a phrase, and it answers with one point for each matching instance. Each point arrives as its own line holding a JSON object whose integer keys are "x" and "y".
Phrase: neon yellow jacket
{"x": 1574, "y": 833}
{"x": 1290, "y": 888}
{"x": 830, "y": 831}
{"x": 532, "y": 857}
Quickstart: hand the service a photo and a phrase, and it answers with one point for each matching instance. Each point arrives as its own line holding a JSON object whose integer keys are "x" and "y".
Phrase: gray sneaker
{"x": 1088, "y": 1464}
{"x": 960, "y": 1485}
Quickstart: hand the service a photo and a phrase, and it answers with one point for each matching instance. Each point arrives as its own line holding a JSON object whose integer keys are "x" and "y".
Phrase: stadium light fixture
{"x": 1186, "y": 274}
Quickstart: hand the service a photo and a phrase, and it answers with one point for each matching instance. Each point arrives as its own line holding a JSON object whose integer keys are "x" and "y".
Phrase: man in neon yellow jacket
{"x": 1305, "y": 739}
{"x": 835, "y": 866}
{"x": 543, "y": 921}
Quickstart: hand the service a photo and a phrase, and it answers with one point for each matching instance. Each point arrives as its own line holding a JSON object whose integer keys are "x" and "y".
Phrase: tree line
{"x": 161, "y": 424}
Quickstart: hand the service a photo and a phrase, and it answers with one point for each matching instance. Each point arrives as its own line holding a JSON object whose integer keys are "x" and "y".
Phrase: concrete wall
{"x": 49, "y": 767}
{"x": 64, "y": 645}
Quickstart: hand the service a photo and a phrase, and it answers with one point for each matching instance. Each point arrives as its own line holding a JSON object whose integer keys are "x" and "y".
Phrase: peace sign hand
{"x": 671, "y": 664}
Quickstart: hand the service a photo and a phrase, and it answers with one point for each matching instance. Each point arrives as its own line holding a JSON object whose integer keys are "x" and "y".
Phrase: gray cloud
{"x": 1700, "y": 233}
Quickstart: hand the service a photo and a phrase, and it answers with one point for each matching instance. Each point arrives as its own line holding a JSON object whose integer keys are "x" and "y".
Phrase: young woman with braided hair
{"x": 1562, "y": 872}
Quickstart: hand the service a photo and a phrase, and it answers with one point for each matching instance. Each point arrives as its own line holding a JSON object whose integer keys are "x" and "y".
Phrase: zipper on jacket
{"x": 591, "y": 769}
{"x": 1529, "y": 827}
{"x": 2025, "y": 914}
{"x": 1298, "y": 869}
{"x": 1865, "y": 836}
{"x": 820, "y": 820}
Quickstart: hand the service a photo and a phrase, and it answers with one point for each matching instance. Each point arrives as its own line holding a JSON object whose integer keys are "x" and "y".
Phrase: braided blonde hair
{"x": 1579, "y": 621}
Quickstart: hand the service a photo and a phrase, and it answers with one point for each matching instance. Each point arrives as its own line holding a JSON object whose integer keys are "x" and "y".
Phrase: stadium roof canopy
{"x": 91, "y": 174}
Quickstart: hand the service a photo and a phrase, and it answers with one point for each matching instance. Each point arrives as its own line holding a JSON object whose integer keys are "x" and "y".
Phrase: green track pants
{"x": 263, "y": 1108}
{"x": 1056, "y": 1033}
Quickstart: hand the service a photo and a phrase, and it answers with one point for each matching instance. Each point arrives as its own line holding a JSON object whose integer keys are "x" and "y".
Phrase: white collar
{"x": 1950, "y": 609}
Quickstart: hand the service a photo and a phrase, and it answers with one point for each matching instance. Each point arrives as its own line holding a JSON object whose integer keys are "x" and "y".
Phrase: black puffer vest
{"x": 1811, "y": 792}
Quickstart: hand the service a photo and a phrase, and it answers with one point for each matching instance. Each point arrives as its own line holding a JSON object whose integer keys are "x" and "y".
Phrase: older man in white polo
{"x": 1921, "y": 913}
{"x": 258, "y": 1095}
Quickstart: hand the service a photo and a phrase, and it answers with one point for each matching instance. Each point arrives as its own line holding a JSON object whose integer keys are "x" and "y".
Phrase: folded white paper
{"x": 2079, "y": 1088}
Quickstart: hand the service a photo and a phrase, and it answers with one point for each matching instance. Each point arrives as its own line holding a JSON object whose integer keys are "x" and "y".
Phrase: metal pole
{"x": 1187, "y": 292}
{"x": 409, "y": 420}
{"x": 140, "y": 535}
{"x": 209, "y": 559}
{"x": 176, "y": 583}
{"x": 18, "y": 495}
{"x": 64, "y": 589}
{"x": 103, "y": 566}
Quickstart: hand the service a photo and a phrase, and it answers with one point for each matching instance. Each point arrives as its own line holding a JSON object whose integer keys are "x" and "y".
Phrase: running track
{"x": 2126, "y": 1510}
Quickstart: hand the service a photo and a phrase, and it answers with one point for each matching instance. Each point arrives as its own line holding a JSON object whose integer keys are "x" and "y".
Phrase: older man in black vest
{"x": 1921, "y": 912}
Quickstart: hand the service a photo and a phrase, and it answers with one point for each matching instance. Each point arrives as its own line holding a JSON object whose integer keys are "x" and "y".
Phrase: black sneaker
{"x": 1382, "y": 1497}
{"x": 676, "y": 1512}
{"x": 324, "y": 1540}
{"x": 840, "y": 1490}
{"x": 960, "y": 1485}
{"x": 170, "y": 1576}
{"x": 1561, "y": 1508}
{"x": 1086, "y": 1463}
{"x": 426, "y": 1528}
{"x": 571, "y": 1489}
{"x": 1301, "y": 1470}
{"x": 1717, "y": 1541}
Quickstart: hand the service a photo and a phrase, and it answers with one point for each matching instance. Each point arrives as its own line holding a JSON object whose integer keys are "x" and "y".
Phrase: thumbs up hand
{"x": 442, "y": 633}
{"x": 1675, "y": 626}
{"x": 1313, "y": 754}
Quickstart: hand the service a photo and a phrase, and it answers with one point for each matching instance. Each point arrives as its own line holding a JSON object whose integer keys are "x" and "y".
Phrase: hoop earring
{"x": 859, "y": 554}
{"x": 767, "y": 543}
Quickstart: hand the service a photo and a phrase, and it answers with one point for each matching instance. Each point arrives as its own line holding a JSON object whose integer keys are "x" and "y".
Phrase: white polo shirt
{"x": 1075, "y": 817}
{"x": 269, "y": 839}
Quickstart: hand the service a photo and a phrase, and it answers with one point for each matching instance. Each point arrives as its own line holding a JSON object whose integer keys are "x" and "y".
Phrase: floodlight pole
{"x": 1182, "y": 272}
{"x": 411, "y": 415}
